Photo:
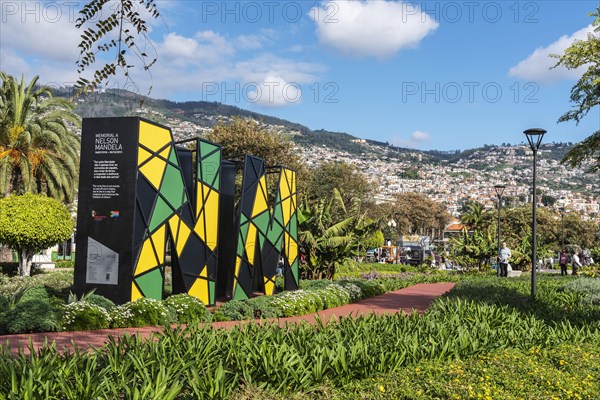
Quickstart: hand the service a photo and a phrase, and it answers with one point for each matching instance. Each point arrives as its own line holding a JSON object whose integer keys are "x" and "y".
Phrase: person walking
{"x": 575, "y": 262}
{"x": 563, "y": 260}
{"x": 505, "y": 255}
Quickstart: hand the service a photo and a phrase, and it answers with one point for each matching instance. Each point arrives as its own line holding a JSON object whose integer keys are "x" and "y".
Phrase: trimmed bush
{"x": 187, "y": 309}
{"x": 99, "y": 301}
{"x": 82, "y": 315}
{"x": 237, "y": 310}
{"x": 263, "y": 307}
{"x": 34, "y": 312}
{"x": 142, "y": 312}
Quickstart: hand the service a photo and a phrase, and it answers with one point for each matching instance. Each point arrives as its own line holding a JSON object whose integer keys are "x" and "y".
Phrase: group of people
{"x": 577, "y": 260}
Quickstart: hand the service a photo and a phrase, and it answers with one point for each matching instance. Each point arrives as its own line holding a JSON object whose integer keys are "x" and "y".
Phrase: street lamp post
{"x": 499, "y": 191}
{"x": 562, "y": 228}
{"x": 534, "y": 137}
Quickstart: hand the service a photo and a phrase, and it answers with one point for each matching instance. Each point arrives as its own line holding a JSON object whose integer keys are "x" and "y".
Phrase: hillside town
{"x": 453, "y": 183}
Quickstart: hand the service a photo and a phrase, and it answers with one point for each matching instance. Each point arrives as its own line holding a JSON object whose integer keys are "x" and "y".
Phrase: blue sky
{"x": 431, "y": 74}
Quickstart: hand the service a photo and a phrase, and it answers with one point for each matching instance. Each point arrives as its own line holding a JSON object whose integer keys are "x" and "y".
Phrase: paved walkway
{"x": 417, "y": 297}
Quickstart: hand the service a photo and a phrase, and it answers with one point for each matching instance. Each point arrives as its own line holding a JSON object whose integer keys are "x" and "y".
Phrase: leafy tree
{"x": 415, "y": 213}
{"x": 118, "y": 25}
{"x": 30, "y": 223}
{"x": 585, "y": 95}
{"x": 247, "y": 136}
{"x": 328, "y": 176}
{"x": 38, "y": 154}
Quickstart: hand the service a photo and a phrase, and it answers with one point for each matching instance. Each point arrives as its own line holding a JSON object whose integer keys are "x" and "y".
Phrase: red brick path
{"x": 417, "y": 297}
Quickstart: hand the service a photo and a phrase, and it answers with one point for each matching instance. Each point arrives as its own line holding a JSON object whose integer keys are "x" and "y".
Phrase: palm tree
{"x": 476, "y": 217}
{"x": 38, "y": 154}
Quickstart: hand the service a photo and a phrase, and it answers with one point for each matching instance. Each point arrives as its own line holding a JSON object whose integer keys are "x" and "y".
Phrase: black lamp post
{"x": 534, "y": 137}
{"x": 562, "y": 228}
{"x": 499, "y": 191}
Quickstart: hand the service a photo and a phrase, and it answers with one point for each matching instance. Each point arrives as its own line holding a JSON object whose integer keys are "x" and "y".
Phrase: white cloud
{"x": 416, "y": 139}
{"x": 371, "y": 27}
{"x": 536, "y": 67}
{"x": 274, "y": 91}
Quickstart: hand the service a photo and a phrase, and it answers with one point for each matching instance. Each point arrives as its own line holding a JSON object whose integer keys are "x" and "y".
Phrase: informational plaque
{"x": 102, "y": 264}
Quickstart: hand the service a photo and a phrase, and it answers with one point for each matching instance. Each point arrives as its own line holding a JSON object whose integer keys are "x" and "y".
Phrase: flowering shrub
{"x": 353, "y": 290}
{"x": 82, "y": 315}
{"x": 142, "y": 312}
{"x": 187, "y": 309}
{"x": 263, "y": 307}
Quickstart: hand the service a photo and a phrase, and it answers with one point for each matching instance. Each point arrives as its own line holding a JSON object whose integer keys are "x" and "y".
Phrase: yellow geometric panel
{"x": 260, "y": 202}
{"x": 143, "y": 155}
{"x": 153, "y": 170}
{"x": 182, "y": 237}
{"x": 284, "y": 184}
{"x": 292, "y": 248}
{"x": 135, "y": 292}
{"x": 251, "y": 243}
{"x": 174, "y": 225}
{"x": 165, "y": 153}
{"x": 204, "y": 272}
{"x": 211, "y": 211}
{"x": 158, "y": 237}
{"x": 269, "y": 286}
{"x": 200, "y": 290}
{"x": 286, "y": 207}
{"x": 238, "y": 263}
{"x": 147, "y": 258}
{"x": 154, "y": 137}
{"x": 199, "y": 227}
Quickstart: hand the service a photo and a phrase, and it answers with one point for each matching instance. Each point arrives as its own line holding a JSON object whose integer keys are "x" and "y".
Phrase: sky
{"x": 441, "y": 75}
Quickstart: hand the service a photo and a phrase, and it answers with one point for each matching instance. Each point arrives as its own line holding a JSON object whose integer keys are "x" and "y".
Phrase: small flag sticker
{"x": 114, "y": 214}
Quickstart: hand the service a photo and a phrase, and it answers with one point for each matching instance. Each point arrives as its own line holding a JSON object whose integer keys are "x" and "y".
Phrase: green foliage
{"x": 464, "y": 345}
{"x": 331, "y": 238}
{"x": 83, "y": 315}
{"x": 113, "y": 31}
{"x": 142, "y": 312}
{"x": 38, "y": 153}
{"x": 588, "y": 288}
{"x": 236, "y": 310}
{"x": 585, "y": 95}
{"x": 33, "y": 310}
{"x": 30, "y": 223}
{"x": 58, "y": 282}
{"x": 100, "y": 301}
{"x": 187, "y": 309}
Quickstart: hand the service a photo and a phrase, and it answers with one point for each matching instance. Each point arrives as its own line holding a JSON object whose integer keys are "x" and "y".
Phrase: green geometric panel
{"x": 162, "y": 211}
{"x": 210, "y": 164}
{"x": 151, "y": 284}
{"x": 239, "y": 293}
{"x": 295, "y": 270}
{"x": 278, "y": 213}
{"x": 173, "y": 188}
{"x": 262, "y": 222}
{"x": 240, "y": 246}
{"x": 211, "y": 288}
{"x": 275, "y": 234}
{"x": 261, "y": 241}
{"x": 293, "y": 226}
{"x": 173, "y": 157}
